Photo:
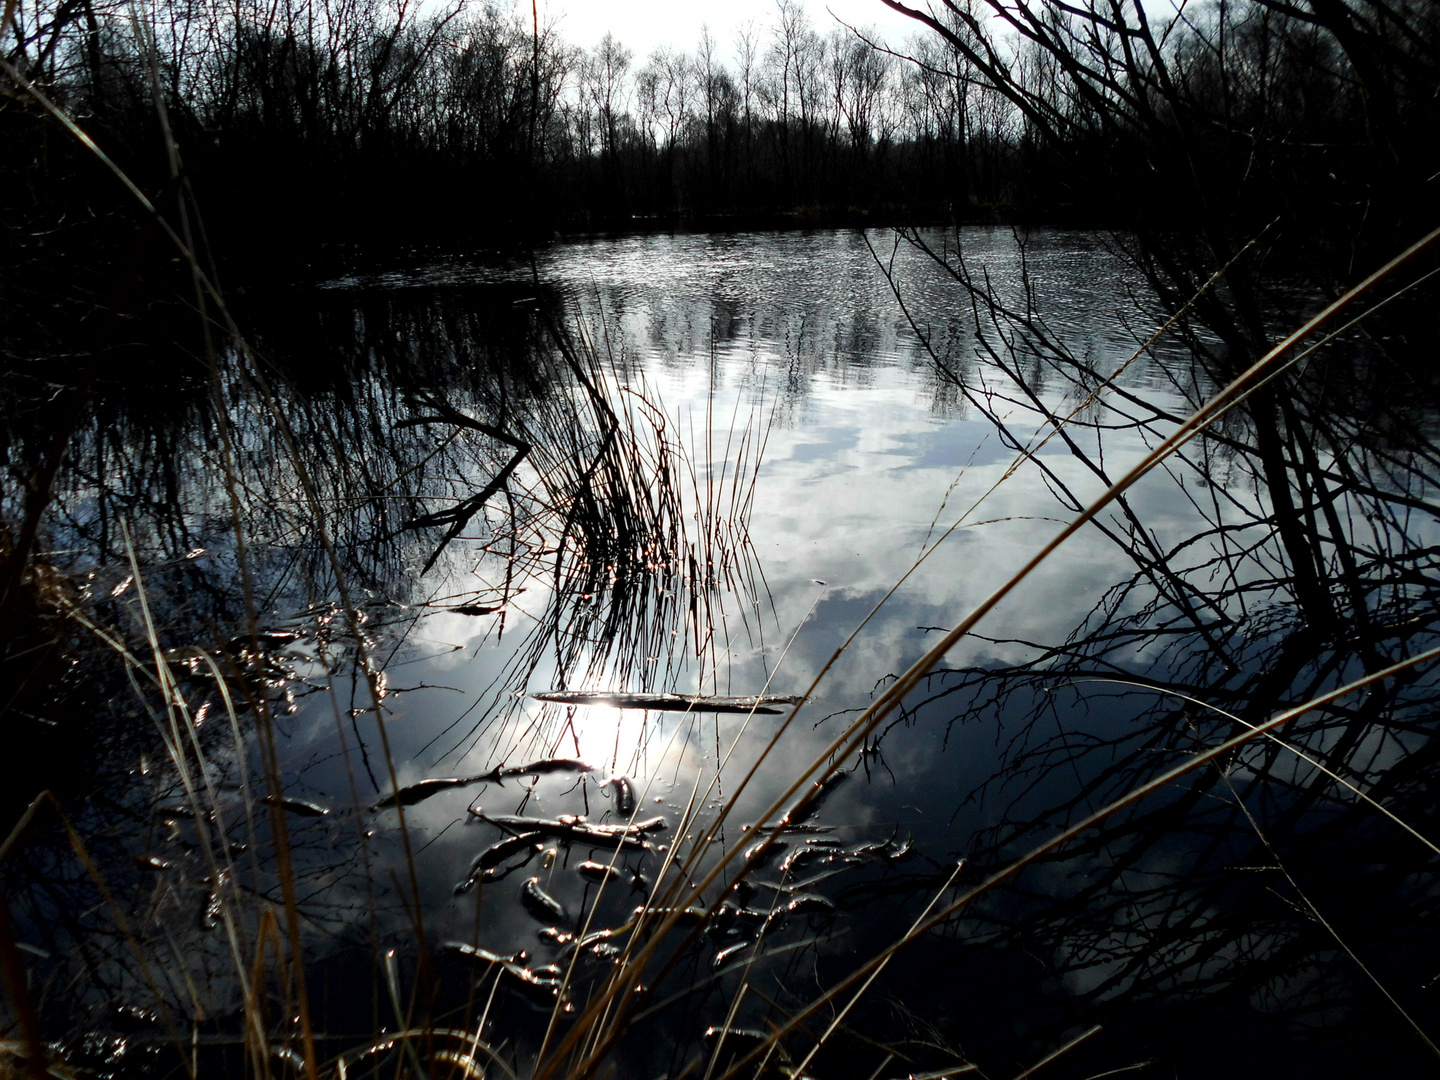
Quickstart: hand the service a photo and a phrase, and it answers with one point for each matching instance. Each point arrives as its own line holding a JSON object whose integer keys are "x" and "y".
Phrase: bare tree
{"x": 604, "y": 81}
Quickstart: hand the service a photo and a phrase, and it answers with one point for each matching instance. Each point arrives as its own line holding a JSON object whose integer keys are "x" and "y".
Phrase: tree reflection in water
{"x": 1263, "y": 909}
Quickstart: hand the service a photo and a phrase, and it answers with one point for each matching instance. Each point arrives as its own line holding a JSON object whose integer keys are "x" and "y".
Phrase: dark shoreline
{"x": 311, "y": 262}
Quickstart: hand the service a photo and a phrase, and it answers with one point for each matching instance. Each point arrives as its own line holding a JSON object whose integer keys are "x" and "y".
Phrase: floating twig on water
{"x": 482, "y": 869}
{"x": 303, "y": 807}
{"x": 624, "y": 794}
{"x": 423, "y": 789}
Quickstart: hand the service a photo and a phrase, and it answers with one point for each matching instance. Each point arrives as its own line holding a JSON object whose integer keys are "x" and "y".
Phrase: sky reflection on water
{"x": 869, "y": 457}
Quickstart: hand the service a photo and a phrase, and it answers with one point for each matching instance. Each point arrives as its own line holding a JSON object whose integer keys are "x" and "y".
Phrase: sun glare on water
{"x": 646, "y": 746}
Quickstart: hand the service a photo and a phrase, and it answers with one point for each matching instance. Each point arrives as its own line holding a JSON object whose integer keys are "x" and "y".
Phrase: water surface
{"x": 748, "y": 444}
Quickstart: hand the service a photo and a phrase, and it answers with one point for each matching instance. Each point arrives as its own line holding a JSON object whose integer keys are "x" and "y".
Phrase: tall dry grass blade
{"x": 1145, "y": 1064}
{"x": 402, "y": 1014}
{"x": 45, "y": 798}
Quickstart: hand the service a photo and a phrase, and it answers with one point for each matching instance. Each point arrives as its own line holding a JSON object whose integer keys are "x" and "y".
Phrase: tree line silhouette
{"x": 363, "y": 121}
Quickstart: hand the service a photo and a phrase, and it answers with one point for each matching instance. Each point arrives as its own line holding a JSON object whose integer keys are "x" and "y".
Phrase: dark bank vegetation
{"x": 203, "y": 528}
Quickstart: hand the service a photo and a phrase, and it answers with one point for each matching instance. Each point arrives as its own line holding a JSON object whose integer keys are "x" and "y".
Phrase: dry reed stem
{"x": 1058, "y": 1052}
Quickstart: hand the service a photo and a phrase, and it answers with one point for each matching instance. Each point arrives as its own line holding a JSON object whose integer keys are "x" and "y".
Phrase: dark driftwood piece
{"x": 423, "y": 789}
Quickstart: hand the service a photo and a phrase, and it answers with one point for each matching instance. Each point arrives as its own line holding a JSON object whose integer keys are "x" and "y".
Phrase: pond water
{"x": 779, "y": 464}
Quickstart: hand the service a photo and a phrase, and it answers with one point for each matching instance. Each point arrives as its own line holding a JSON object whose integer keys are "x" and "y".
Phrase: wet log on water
{"x": 571, "y": 829}
{"x": 484, "y": 868}
{"x": 302, "y": 807}
{"x": 541, "y": 985}
{"x": 770, "y": 705}
{"x": 423, "y": 789}
{"x": 598, "y": 871}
